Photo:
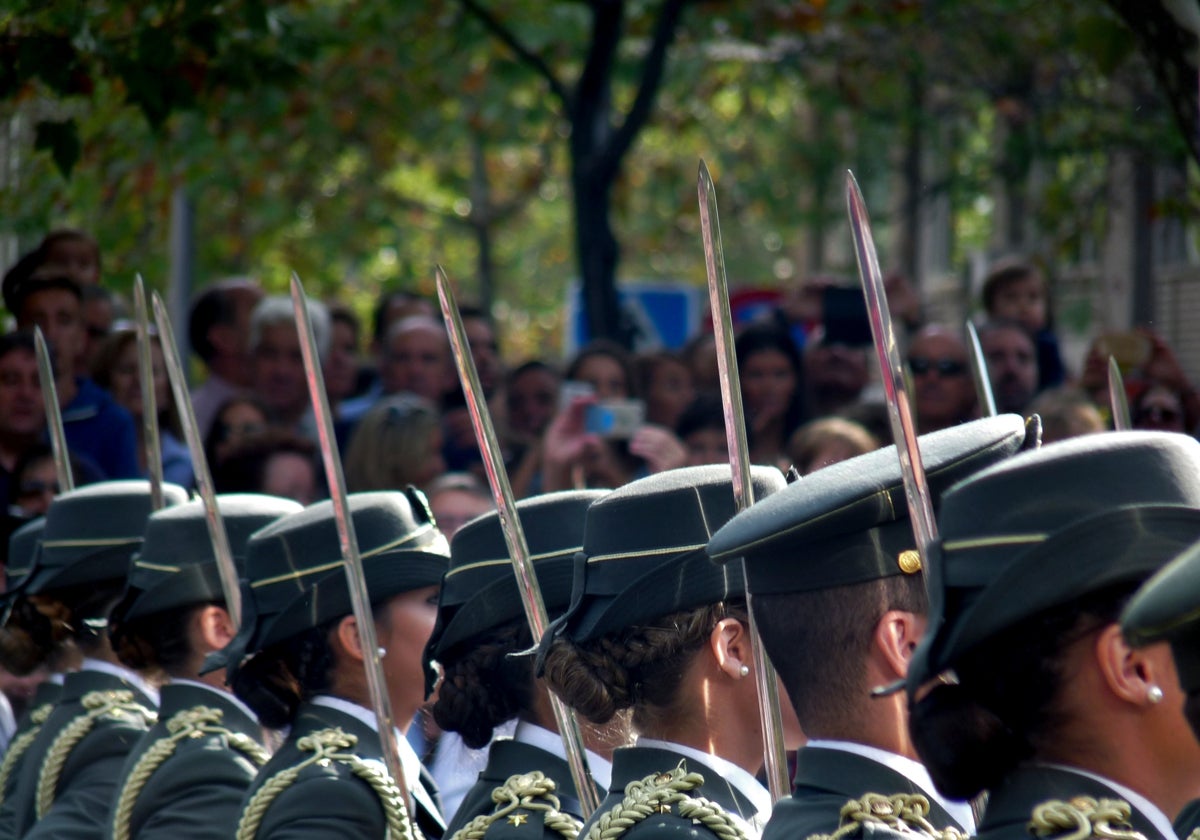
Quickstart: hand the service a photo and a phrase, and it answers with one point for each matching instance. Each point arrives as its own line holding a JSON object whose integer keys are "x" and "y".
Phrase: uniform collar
{"x": 542, "y": 738}
{"x": 1149, "y": 810}
{"x": 737, "y": 777}
{"x": 122, "y": 673}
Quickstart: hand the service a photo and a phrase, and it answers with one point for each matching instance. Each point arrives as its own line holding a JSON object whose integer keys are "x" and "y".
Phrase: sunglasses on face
{"x": 1158, "y": 414}
{"x": 37, "y": 488}
{"x": 942, "y": 367}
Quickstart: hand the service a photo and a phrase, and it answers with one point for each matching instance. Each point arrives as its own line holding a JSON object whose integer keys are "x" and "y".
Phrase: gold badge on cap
{"x": 909, "y": 561}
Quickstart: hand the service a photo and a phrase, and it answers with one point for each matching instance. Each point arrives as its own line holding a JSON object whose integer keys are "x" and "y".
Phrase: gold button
{"x": 910, "y": 561}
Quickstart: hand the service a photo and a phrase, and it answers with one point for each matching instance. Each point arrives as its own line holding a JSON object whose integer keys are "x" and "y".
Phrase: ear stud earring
{"x": 1154, "y": 694}
{"x": 745, "y": 672}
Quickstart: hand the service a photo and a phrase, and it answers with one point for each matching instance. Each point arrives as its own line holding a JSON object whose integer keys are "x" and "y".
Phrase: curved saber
{"x": 979, "y": 370}
{"x": 514, "y": 534}
{"x": 916, "y": 489}
{"x": 226, "y": 569}
{"x": 54, "y": 422}
{"x": 348, "y": 539}
{"x": 1118, "y": 398}
{"x": 765, "y": 681}
{"x": 153, "y": 446}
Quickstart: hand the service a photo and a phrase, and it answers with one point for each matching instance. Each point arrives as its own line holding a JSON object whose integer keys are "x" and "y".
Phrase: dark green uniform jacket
{"x": 672, "y": 795}
{"x": 187, "y": 776}
{"x": 13, "y": 766}
{"x": 109, "y": 715}
{"x": 508, "y": 758}
{"x": 326, "y": 797}
{"x": 1011, "y": 804}
{"x": 1188, "y": 820}
{"x": 826, "y": 779}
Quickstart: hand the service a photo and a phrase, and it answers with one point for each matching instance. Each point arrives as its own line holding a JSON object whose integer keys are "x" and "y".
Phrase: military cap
{"x": 295, "y": 574}
{"x": 643, "y": 550}
{"x": 92, "y": 532}
{"x": 1167, "y": 608}
{"x": 1046, "y": 527}
{"x": 848, "y": 523}
{"x": 479, "y": 591}
{"x": 177, "y": 566}
{"x": 23, "y": 548}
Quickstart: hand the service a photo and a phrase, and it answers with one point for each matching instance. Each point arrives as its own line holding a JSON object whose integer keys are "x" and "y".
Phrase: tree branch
{"x": 509, "y": 39}
{"x": 665, "y": 29}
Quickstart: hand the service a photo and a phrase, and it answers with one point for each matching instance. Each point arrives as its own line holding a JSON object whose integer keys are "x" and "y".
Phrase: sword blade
{"x": 916, "y": 488}
{"x": 1117, "y": 397}
{"x": 514, "y": 534}
{"x": 153, "y": 447}
{"x": 226, "y": 569}
{"x": 979, "y": 370}
{"x": 58, "y": 437}
{"x": 347, "y": 538}
{"x": 765, "y": 680}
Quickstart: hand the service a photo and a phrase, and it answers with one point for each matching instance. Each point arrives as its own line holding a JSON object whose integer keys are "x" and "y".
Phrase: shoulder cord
{"x": 325, "y": 745}
{"x": 529, "y": 792}
{"x": 114, "y": 704}
{"x": 195, "y": 722}
{"x": 16, "y": 750}
{"x": 906, "y": 813}
{"x": 658, "y": 794}
{"x": 1084, "y": 817}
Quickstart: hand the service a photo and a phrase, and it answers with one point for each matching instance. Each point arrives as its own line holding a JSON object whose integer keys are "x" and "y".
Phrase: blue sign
{"x": 663, "y": 315}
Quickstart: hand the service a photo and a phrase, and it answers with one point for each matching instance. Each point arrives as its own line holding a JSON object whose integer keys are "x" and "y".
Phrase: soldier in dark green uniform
{"x": 55, "y": 653}
{"x": 187, "y": 776}
{"x": 658, "y": 631}
{"x": 481, "y": 627}
{"x": 1024, "y": 686}
{"x": 1166, "y": 610}
{"x": 306, "y": 668}
{"x": 840, "y": 602}
{"x": 70, "y": 771}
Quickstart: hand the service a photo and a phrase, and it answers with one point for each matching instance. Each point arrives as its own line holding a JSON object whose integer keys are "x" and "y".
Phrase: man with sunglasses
{"x": 944, "y": 394}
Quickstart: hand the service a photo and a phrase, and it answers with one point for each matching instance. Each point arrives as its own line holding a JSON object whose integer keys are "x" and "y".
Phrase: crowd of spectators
{"x": 808, "y": 394}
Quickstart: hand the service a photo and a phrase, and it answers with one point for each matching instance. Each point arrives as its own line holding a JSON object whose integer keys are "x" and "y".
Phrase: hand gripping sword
{"x": 514, "y": 534}
{"x": 150, "y": 439}
{"x": 226, "y": 569}
{"x": 58, "y": 438}
{"x": 348, "y": 539}
{"x": 765, "y": 681}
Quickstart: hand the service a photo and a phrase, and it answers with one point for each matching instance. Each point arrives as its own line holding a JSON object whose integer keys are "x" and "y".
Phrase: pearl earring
{"x": 1154, "y": 694}
{"x": 744, "y": 671}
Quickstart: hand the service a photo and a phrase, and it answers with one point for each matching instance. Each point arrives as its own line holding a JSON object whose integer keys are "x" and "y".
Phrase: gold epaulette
{"x": 196, "y": 722}
{"x": 904, "y": 813}
{"x": 21, "y": 743}
{"x": 98, "y": 704}
{"x": 527, "y": 792}
{"x": 1083, "y": 817}
{"x": 326, "y": 746}
{"x": 666, "y": 793}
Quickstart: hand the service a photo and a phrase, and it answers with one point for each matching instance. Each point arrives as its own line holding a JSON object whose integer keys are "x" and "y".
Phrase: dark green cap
{"x": 1167, "y": 608}
{"x": 643, "y": 549}
{"x": 91, "y": 533}
{"x": 1045, "y": 527}
{"x": 177, "y": 566}
{"x": 296, "y": 578}
{"x": 848, "y": 523}
{"x": 23, "y": 548}
{"x": 479, "y": 592}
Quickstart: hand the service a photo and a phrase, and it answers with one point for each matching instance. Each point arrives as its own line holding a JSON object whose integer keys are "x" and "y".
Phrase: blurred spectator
{"x": 1012, "y": 367}
{"x": 944, "y": 393}
{"x": 237, "y": 419}
{"x": 1163, "y": 368}
{"x": 665, "y": 382}
{"x": 485, "y": 348}
{"x": 819, "y": 443}
{"x": 700, "y": 355}
{"x": 1066, "y": 413}
{"x": 100, "y": 310}
{"x": 117, "y": 371}
{"x": 341, "y": 363}
{"x": 219, "y": 333}
{"x": 276, "y": 462}
{"x": 772, "y": 391}
{"x": 456, "y": 499}
{"x": 35, "y": 480}
{"x": 416, "y": 360}
{"x": 73, "y": 253}
{"x": 96, "y": 427}
{"x": 702, "y": 430}
{"x": 22, "y": 412}
{"x": 279, "y": 379}
{"x": 836, "y": 375}
{"x": 607, "y": 367}
{"x": 391, "y": 306}
{"x": 531, "y": 395}
{"x": 397, "y": 443}
{"x": 1015, "y": 290}
{"x": 1158, "y": 407}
